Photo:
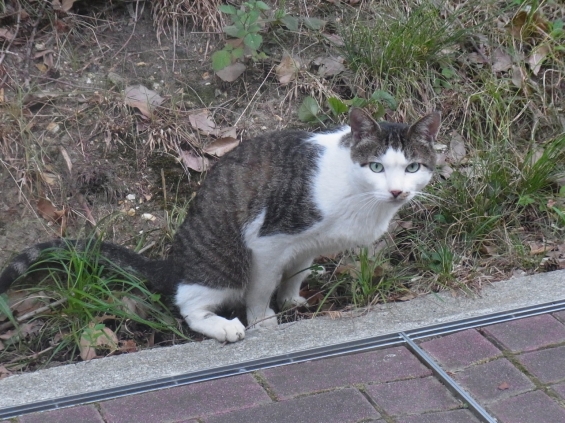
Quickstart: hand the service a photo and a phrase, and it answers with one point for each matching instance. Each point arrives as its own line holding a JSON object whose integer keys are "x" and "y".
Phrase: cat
{"x": 268, "y": 208}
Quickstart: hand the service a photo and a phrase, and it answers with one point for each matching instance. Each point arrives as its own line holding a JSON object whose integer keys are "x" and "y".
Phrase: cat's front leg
{"x": 264, "y": 279}
{"x": 288, "y": 295}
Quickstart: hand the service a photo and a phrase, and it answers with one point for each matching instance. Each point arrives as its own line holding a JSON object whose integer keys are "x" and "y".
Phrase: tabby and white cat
{"x": 268, "y": 208}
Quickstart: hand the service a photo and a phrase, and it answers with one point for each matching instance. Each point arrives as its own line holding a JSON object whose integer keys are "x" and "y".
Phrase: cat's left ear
{"x": 427, "y": 127}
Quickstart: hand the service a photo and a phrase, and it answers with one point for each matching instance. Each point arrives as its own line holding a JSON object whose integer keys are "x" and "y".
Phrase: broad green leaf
{"x": 290, "y": 22}
{"x": 227, "y": 9}
{"x": 252, "y": 17}
{"x": 337, "y": 106}
{"x": 308, "y": 110}
{"x": 380, "y": 111}
{"x": 253, "y": 41}
{"x": 356, "y": 102}
{"x": 233, "y": 31}
{"x": 384, "y": 96}
{"x": 261, "y": 5}
{"x": 237, "y": 53}
{"x": 253, "y": 28}
{"x": 221, "y": 59}
{"x": 314, "y": 23}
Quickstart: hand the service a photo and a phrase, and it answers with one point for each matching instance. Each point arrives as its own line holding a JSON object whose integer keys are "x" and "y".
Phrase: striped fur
{"x": 267, "y": 209}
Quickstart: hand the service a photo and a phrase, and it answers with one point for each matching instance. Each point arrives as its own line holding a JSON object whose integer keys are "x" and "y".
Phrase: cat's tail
{"x": 158, "y": 273}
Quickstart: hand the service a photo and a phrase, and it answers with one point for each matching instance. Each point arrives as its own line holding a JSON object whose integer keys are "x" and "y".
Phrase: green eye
{"x": 413, "y": 167}
{"x": 376, "y": 167}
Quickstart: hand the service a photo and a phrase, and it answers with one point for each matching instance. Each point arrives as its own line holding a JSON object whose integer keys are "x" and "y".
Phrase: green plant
{"x": 245, "y": 29}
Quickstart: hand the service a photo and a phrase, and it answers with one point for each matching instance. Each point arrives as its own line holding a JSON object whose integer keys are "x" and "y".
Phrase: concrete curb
{"x": 153, "y": 364}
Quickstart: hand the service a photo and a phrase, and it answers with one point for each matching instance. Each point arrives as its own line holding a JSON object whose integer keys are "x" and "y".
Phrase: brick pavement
{"x": 515, "y": 370}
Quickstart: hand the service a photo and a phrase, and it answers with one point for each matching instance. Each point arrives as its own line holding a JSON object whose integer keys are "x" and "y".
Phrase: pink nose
{"x": 395, "y": 193}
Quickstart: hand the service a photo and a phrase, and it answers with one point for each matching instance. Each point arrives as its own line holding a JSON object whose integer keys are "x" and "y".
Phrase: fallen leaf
{"x": 536, "y": 249}
{"x": 457, "y": 150}
{"x": 287, "y": 69}
{"x": 227, "y": 132}
{"x": 64, "y": 5}
{"x": 445, "y": 171}
{"x": 502, "y": 61}
{"x": 96, "y": 336}
{"x": 231, "y": 72}
{"x": 517, "y": 76}
{"x": 67, "y": 159}
{"x": 537, "y": 57}
{"x": 221, "y": 146}
{"x": 194, "y": 162}
{"x": 523, "y": 25}
{"x": 503, "y": 386}
{"x": 143, "y": 99}
{"x": 4, "y": 372}
{"x": 203, "y": 122}
{"x": 329, "y": 65}
{"x": 148, "y": 216}
{"x": 128, "y": 346}
{"x": 335, "y": 39}
{"x": 6, "y": 34}
{"x": 48, "y": 211}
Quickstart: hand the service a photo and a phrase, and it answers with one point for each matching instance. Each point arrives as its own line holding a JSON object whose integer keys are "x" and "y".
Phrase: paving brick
{"x": 455, "y": 416}
{"x": 533, "y": 407}
{"x": 412, "y": 396}
{"x": 560, "y": 315}
{"x": 483, "y": 381}
{"x": 186, "y": 402}
{"x": 461, "y": 349}
{"x": 547, "y": 365}
{"x": 340, "y": 406}
{"x": 82, "y": 414}
{"x": 528, "y": 334}
{"x": 375, "y": 366}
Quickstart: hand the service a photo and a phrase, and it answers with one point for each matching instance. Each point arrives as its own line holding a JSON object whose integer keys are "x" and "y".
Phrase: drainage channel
{"x": 405, "y": 338}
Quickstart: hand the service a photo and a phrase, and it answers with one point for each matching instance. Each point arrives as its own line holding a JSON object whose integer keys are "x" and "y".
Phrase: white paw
{"x": 296, "y": 301}
{"x": 266, "y": 320}
{"x": 217, "y": 327}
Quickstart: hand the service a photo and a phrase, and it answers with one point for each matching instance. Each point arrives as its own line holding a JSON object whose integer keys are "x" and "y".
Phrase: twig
{"x": 252, "y": 98}
{"x": 29, "y": 315}
{"x": 147, "y": 247}
{"x": 132, "y": 32}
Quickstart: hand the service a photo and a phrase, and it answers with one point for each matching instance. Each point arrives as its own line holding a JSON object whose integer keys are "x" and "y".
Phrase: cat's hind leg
{"x": 198, "y": 303}
{"x": 288, "y": 295}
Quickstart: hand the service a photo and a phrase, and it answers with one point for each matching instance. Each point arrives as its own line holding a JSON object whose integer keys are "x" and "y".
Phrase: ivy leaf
{"x": 252, "y": 16}
{"x": 337, "y": 106}
{"x": 228, "y": 9}
{"x": 221, "y": 59}
{"x": 253, "y": 41}
{"x": 384, "y": 96}
{"x": 308, "y": 110}
{"x": 237, "y": 53}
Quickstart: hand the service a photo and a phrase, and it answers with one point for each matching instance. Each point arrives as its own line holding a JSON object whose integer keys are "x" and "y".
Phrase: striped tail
{"x": 160, "y": 274}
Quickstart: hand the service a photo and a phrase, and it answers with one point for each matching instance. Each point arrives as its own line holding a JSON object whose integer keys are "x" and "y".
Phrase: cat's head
{"x": 395, "y": 161}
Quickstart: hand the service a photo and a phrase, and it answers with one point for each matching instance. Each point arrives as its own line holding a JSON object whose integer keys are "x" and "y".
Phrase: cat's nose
{"x": 396, "y": 193}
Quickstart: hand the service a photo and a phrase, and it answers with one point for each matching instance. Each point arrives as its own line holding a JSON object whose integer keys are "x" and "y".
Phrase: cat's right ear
{"x": 427, "y": 127}
{"x": 362, "y": 125}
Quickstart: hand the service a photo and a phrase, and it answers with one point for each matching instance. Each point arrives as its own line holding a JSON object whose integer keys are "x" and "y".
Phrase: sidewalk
{"x": 514, "y": 370}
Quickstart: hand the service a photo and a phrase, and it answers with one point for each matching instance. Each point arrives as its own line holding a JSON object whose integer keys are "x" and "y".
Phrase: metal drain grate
{"x": 400, "y": 338}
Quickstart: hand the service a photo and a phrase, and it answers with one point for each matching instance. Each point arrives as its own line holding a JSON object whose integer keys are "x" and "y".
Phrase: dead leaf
{"x": 501, "y": 60}
{"x": 537, "y": 58}
{"x": 287, "y": 69}
{"x": 203, "y": 122}
{"x": 232, "y": 72}
{"x": 194, "y": 162}
{"x": 96, "y": 336}
{"x": 523, "y": 26}
{"x": 407, "y": 297}
{"x": 335, "y": 39}
{"x": 445, "y": 171}
{"x": 4, "y": 372}
{"x": 143, "y": 99}
{"x": 67, "y": 159}
{"x": 503, "y": 386}
{"x": 64, "y": 5}
{"x": 518, "y": 76}
{"x": 48, "y": 211}
{"x": 457, "y": 150}
{"x": 221, "y": 146}
{"x": 227, "y": 132}
{"x": 128, "y": 346}
{"x": 6, "y": 34}
{"x": 536, "y": 249}
{"x": 329, "y": 65}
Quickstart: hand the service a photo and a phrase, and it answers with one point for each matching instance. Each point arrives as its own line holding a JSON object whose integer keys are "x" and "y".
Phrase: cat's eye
{"x": 376, "y": 167}
{"x": 413, "y": 167}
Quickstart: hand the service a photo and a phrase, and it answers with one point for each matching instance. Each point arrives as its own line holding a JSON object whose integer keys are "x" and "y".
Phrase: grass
{"x": 505, "y": 194}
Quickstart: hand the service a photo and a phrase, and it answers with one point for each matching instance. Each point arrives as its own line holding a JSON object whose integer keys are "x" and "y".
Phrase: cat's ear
{"x": 362, "y": 125}
{"x": 427, "y": 127}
